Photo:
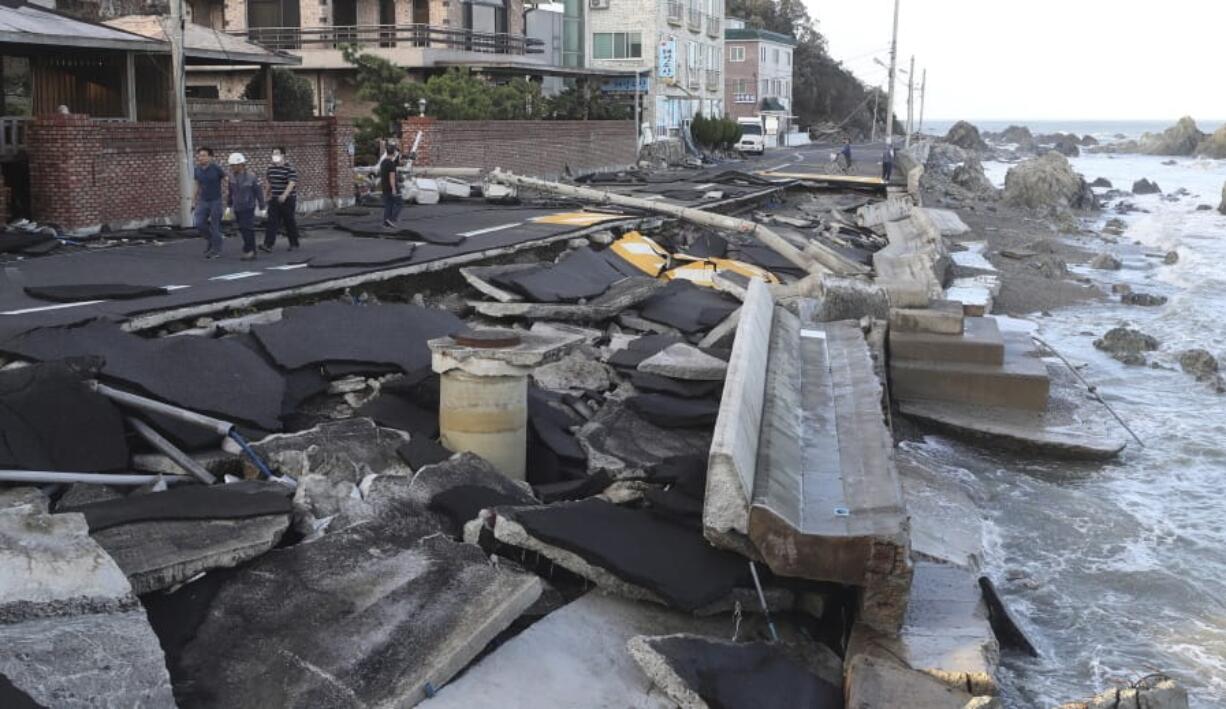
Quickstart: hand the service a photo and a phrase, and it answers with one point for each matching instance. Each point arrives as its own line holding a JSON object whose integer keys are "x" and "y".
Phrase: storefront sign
{"x": 666, "y": 65}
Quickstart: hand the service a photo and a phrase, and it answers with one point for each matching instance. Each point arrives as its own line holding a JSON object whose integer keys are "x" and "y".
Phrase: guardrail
{"x": 427, "y": 36}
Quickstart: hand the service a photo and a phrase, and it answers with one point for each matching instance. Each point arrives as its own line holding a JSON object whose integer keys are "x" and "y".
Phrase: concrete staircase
{"x": 965, "y": 360}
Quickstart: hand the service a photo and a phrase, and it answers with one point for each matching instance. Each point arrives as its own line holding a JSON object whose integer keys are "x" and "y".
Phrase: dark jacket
{"x": 245, "y": 192}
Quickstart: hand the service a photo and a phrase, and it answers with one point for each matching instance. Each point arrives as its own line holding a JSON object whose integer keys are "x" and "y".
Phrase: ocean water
{"x": 1118, "y": 570}
{"x": 1104, "y": 131}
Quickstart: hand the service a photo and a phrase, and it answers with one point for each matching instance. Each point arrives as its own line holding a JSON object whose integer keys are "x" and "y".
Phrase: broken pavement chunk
{"x": 674, "y": 412}
{"x": 76, "y": 292}
{"x": 620, "y": 444}
{"x": 701, "y": 672}
{"x": 579, "y": 274}
{"x": 681, "y": 361}
{"x": 346, "y": 450}
{"x": 573, "y": 372}
{"x": 373, "y": 615}
{"x": 627, "y": 551}
{"x": 687, "y": 307}
{"x": 72, "y": 633}
{"x": 621, "y": 295}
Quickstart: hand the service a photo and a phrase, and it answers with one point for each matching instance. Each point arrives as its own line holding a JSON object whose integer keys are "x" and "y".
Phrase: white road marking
{"x": 779, "y": 167}
{"x": 287, "y": 267}
{"x": 819, "y": 334}
{"x": 654, "y": 196}
{"x": 235, "y": 276}
{"x": 707, "y": 186}
{"x": 175, "y": 287}
{"x": 61, "y": 306}
{"x": 487, "y": 230}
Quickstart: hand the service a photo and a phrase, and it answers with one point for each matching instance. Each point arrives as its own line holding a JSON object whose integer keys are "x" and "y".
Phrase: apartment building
{"x": 423, "y": 36}
{"x": 759, "y": 80}
{"x": 678, "y": 45}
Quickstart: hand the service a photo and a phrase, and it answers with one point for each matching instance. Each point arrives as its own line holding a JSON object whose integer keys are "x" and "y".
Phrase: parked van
{"x": 752, "y": 140}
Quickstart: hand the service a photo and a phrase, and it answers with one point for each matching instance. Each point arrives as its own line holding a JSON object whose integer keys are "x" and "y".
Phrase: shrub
{"x": 292, "y": 97}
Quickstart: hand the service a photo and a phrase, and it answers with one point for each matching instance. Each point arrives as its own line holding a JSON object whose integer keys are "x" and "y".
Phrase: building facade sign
{"x": 666, "y": 65}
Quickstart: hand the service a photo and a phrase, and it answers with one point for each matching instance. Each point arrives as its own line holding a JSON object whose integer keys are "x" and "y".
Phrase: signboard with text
{"x": 666, "y": 65}
{"x": 625, "y": 85}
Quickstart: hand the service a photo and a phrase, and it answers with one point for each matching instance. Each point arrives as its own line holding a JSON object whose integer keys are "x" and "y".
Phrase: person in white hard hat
{"x": 244, "y": 197}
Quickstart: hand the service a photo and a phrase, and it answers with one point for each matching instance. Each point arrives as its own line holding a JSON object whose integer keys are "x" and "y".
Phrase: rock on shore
{"x": 1213, "y": 146}
{"x": 1145, "y": 186}
{"x": 965, "y": 136}
{"x": 1183, "y": 138}
{"x": 1048, "y": 183}
{"x": 1127, "y": 345}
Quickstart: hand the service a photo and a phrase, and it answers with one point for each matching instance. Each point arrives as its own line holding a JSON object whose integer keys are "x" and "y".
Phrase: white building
{"x": 677, "y": 44}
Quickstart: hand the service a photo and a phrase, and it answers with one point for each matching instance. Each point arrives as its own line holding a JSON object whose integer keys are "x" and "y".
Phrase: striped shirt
{"x": 279, "y": 176}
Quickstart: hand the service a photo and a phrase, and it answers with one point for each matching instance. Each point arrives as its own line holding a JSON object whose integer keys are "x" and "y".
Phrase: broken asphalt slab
{"x": 621, "y": 444}
{"x": 374, "y": 615}
{"x": 73, "y": 634}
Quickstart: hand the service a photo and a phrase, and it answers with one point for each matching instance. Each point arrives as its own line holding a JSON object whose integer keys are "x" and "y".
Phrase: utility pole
{"x": 889, "y": 102}
{"x": 876, "y": 99}
{"x": 910, "y": 100}
{"x": 923, "y": 95}
{"x": 183, "y": 124}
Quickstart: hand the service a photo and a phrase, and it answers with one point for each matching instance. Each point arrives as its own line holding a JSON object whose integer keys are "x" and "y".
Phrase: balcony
{"x": 388, "y": 36}
{"x": 713, "y": 26}
{"x": 713, "y": 79}
{"x": 694, "y": 19}
{"x": 744, "y": 98}
{"x": 675, "y": 11}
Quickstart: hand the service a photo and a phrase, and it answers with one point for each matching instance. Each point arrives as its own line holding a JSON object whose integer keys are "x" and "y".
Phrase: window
{"x": 691, "y": 54}
{"x": 617, "y": 45}
{"x": 736, "y": 54}
{"x": 766, "y": 87}
{"x": 762, "y": 55}
{"x": 775, "y": 56}
{"x": 787, "y": 58}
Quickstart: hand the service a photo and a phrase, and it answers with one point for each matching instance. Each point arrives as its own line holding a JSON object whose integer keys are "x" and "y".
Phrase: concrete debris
{"x": 621, "y": 295}
{"x": 347, "y": 450}
{"x": 873, "y": 682}
{"x": 380, "y": 615}
{"x": 73, "y": 633}
{"x": 1152, "y": 692}
{"x": 573, "y": 373}
{"x": 621, "y": 444}
{"x": 682, "y": 361}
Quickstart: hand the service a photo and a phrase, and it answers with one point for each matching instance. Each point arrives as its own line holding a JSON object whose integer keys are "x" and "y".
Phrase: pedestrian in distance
{"x": 389, "y": 183}
{"x": 206, "y": 202}
{"x": 282, "y": 201}
{"x": 243, "y": 197}
{"x": 887, "y": 162}
{"x": 846, "y": 152}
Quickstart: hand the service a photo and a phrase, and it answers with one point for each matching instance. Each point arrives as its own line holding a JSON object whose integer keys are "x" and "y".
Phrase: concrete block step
{"x": 979, "y": 343}
{"x": 1021, "y": 381}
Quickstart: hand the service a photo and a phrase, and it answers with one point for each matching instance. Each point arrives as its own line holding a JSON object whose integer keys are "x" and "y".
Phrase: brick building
{"x": 759, "y": 77}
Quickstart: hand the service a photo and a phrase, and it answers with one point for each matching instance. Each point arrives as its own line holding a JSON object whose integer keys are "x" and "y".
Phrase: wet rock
{"x": 1199, "y": 363}
{"x": 1106, "y": 262}
{"x": 1051, "y": 266}
{"x": 1181, "y": 139}
{"x": 1067, "y": 148}
{"x": 1121, "y": 288}
{"x": 1153, "y": 692}
{"x": 1047, "y": 183}
{"x": 375, "y": 615}
{"x": 965, "y": 136}
{"x": 1020, "y": 136}
{"x": 682, "y": 361}
{"x": 1127, "y": 345}
{"x": 1171, "y": 258}
{"x": 1101, "y": 182}
{"x": 1148, "y": 300}
{"x": 1144, "y": 186}
{"x": 970, "y": 176}
{"x": 573, "y": 373}
{"x": 73, "y": 634}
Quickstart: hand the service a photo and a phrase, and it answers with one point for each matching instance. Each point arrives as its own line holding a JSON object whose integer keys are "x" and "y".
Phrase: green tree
{"x": 292, "y": 97}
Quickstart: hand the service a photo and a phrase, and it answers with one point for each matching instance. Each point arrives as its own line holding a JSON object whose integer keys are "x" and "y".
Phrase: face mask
{"x": 277, "y": 157}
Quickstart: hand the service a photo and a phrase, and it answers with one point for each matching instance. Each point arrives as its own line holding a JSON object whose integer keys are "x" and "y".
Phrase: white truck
{"x": 753, "y": 139}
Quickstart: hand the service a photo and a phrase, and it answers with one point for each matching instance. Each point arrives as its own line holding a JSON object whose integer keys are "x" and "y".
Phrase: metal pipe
{"x": 689, "y": 214}
{"x": 259, "y": 463}
{"x": 180, "y": 458}
{"x": 55, "y": 477}
{"x": 221, "y": 427}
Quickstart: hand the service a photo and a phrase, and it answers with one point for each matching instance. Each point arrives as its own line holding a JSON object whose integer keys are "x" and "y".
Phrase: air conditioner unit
{"x": 598, "y": 4}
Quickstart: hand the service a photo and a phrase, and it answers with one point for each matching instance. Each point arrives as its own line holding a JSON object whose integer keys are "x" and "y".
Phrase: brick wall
{"x": 540, "y": 148}
{"x": 84, "y": 173}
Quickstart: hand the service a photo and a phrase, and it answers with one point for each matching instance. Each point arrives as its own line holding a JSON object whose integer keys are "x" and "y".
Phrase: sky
{"x": 1040, "y": 59}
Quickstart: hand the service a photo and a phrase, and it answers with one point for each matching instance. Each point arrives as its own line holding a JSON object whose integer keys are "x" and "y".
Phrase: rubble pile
{"x": 652, "y": 471}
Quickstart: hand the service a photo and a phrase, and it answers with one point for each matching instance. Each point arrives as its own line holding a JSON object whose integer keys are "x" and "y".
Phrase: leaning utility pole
{"x": 183, "y": 124}
{"x": 889, "y": 102}
{"x": 876, "y": 99}
{"x": 910, "y": 100}
{"x": 923, "y": 95}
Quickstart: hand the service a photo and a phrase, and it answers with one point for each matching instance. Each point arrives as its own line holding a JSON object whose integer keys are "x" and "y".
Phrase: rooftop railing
{"x": 426, "y": 36}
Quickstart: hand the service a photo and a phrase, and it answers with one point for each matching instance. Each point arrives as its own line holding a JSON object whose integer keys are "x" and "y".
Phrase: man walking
{"x": 846, "y": 152}
{"x": 389, "y": 183}
{"x": 282, "y": 201}
{"x": 206, "y": 203}
{"x": 887, "y": 162}
{"x": 244, "y": 195}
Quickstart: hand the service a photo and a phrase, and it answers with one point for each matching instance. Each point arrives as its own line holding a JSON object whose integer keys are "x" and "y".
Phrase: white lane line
{"x": 175, "y": 287}
{"x": 287, "y": 267}
{"x": 779, "y": 167}
{"x": 44, "y": 308}
{"x": 487, "y": 230}
{"x": 654, "y": 196}
{"x": 707, "y": 186}
{"x": 235, "y": 276}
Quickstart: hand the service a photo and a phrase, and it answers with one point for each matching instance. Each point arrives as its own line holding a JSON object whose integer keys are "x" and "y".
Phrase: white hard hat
{"x": 236, "y": 159}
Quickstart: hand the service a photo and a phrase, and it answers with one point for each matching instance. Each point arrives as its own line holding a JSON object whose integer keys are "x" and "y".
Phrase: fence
{"x": 428, "y": 36}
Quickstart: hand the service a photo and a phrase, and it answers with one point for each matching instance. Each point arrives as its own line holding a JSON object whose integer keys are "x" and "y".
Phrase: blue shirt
{"x": 209, "y": 178}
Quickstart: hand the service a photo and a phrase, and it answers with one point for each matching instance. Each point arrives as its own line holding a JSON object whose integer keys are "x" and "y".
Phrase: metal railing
{"x": 713, "y": 25}
{"x": 713, "y": 79}
{"x": 744, "y": 98}
{"x": 694, "y": 19}
{"x": 675, "y": 11}
{"x": 13, "y": 134}
{"x": 212, "y": 109}
{"x": 427, "y": 36}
